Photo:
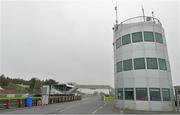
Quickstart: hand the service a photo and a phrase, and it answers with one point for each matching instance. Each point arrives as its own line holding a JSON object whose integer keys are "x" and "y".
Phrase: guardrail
{"x": 58, "y": 99}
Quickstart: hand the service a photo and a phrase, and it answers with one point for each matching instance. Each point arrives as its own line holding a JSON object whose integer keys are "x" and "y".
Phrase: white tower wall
{"x": 142, "y": 78}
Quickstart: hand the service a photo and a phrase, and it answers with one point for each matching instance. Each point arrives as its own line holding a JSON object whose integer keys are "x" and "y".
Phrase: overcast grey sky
{"x": 71, "y": 40}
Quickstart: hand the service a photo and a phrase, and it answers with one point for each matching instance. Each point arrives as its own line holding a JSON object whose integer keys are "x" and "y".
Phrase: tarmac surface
{"x": 88, "y": 105}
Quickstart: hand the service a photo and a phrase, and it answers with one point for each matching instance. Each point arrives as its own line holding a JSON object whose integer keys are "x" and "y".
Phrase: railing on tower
{"x": 141, "y": 19}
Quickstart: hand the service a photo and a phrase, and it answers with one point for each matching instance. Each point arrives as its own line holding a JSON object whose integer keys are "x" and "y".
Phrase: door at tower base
{"x": 141, "y": 66}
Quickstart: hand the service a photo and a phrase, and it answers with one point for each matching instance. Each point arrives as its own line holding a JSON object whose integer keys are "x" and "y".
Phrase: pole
{"x": 143, "y": 12}
{"x": 153, "y": 15}
{"x": 116, "y": 14}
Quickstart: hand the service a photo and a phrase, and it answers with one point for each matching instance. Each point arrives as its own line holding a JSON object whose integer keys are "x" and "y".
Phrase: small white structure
{"x": 45, "y": 94}
{"x": 142, "y": 71}
{"x": 1, "y": 88}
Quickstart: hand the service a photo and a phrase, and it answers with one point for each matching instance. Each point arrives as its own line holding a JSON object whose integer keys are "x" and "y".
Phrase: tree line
{"x": 34, "y": 84}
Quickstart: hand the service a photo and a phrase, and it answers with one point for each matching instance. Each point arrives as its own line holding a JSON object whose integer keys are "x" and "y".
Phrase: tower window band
{"x": 137, "y": 37}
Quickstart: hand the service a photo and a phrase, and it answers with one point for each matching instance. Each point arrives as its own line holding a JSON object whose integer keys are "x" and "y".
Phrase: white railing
{"x": 141, "y": 19}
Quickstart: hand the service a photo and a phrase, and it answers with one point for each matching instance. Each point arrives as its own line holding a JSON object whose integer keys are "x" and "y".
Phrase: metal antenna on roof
{"x": 116, "y": 14}
{"x": 153, "y": 15}
{"x": 143, "y": 12}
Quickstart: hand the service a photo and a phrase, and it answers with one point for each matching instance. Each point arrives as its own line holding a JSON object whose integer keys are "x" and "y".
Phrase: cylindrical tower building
{"x": 142, "y": 70}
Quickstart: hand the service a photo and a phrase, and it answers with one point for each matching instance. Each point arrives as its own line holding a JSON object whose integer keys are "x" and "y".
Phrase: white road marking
{"x": 95, "y": 111}
{"x": 84, "y": 99}
{"x": 61, "y": 110}
{"x": 121, "y": 112}
{"x": 99, "y": 108}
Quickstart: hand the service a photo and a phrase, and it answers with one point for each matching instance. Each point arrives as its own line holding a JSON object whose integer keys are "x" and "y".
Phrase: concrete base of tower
{"x": 145, "y": 105}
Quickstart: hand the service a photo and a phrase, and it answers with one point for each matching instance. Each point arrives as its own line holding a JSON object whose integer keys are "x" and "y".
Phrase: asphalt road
{"x": 88, "y": 105}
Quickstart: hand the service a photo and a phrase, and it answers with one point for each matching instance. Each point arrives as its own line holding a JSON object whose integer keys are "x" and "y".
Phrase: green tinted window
{"x": 166, "y": 94}
{"x": 148, "y": 36}
{"x": 152, "y": 63}
{"x": 158, "y": 37}
{"x": 168, "y": 66}
{"x": 155, "y": 94}
{"x": 141, "y": 94}
{"x": 139, "y": 63}
{"x": 162, "y": 64}
{"x": 120, "y": 93}
{"x": 119, "y": 66}
{"x": 129, "y": 94}
{"x": 118, "y": 43}
{"x": 137, "y": 37}
{"x": 127, "y": 65}
{"x": 126, "y": 39}
{"x": 164, "y": 39}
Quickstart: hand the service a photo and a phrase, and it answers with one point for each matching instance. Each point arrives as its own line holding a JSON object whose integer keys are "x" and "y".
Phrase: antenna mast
{"x": 143, "y": 12}
{"x": 153, "y": 15}
{"x": 116, "y": 14}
